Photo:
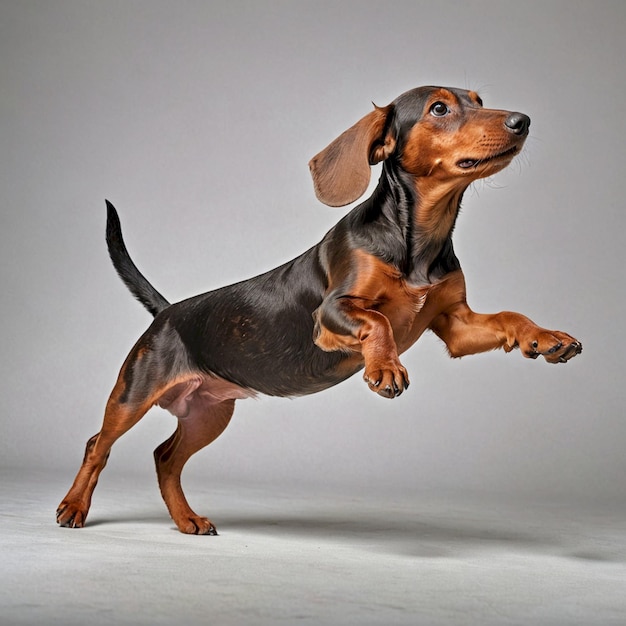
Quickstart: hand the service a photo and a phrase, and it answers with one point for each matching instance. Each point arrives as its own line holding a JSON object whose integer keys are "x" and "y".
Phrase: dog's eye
{"x": 439, "y": 109}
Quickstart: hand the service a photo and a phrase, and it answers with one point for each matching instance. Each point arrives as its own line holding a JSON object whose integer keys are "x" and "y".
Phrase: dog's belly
{"x": 280, "y": 368}
{"x": 196, "y": 393}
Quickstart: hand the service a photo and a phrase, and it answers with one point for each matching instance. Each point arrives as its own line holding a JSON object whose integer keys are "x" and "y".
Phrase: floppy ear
{"x": 341, "y": 171}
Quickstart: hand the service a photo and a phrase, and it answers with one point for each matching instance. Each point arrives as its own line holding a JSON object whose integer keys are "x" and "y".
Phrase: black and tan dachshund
{"x": 382, "y": 276}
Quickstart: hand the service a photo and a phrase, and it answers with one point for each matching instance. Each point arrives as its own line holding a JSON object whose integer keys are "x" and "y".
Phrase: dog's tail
{"x": 136, "y": 282}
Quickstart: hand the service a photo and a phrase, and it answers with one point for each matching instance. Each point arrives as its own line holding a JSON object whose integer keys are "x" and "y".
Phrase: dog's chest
{"x": 411, "y": 309}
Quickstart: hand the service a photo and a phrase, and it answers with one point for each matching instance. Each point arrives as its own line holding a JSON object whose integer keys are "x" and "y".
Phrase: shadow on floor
{"x": 401, "y": 534}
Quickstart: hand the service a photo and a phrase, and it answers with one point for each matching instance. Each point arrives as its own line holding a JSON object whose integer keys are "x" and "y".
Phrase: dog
{"x": 380, "y": 278}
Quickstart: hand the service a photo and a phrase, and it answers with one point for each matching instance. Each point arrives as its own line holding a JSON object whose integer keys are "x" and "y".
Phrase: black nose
{"x": 517, "y": 123}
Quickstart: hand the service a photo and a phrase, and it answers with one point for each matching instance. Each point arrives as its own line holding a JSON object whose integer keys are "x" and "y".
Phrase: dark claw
{"x": 386, "y": 392}
{"x": 70, "y": 523}
{"x": 573, "y": 349}
{"x": 555, "y": 348}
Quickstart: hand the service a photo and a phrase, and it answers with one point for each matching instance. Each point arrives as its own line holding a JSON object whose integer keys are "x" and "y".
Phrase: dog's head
{"x": 435, "y": 132}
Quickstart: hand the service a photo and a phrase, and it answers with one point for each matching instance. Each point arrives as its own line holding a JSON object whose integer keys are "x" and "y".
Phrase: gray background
{"x": 197, "y": 119}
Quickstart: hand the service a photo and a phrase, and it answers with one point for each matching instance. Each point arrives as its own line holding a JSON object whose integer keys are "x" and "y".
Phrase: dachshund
{"x": 382, "y": 276}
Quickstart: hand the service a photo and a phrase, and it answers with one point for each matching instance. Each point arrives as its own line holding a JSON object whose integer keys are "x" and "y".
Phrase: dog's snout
{"x": 517, "y": 123}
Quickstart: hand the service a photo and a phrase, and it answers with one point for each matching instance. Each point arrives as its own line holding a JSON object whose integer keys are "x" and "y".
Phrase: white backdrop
{"x": 197, "y": 120}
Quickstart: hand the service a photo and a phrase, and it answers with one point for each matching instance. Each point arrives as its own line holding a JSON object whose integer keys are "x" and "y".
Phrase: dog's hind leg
{"x": 156, "y": 365}
{"x": 119, "y": 417}
{"x": 202, "y": 423}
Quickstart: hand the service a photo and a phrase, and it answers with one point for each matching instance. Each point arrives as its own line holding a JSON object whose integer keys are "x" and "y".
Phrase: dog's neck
{"x": 426, "y": 212}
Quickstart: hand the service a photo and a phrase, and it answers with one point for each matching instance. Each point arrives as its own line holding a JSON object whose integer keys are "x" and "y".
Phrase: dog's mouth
{"x": 466, "y": 164}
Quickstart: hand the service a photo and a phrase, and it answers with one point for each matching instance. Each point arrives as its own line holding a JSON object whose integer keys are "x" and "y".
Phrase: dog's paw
{"x": 388, "y": 381}
{"x": 196, "y": 525}
{"x": 555, "y": 346}
{"x": 71, "y": 515}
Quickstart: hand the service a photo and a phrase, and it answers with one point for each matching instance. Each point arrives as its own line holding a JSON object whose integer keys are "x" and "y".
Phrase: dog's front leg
{"x": 343, "y": 323}
{"x": 465, "y": 332}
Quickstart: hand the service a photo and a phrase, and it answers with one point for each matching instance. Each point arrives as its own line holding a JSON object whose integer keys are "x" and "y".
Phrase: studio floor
{"x": 287, "y": 556}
